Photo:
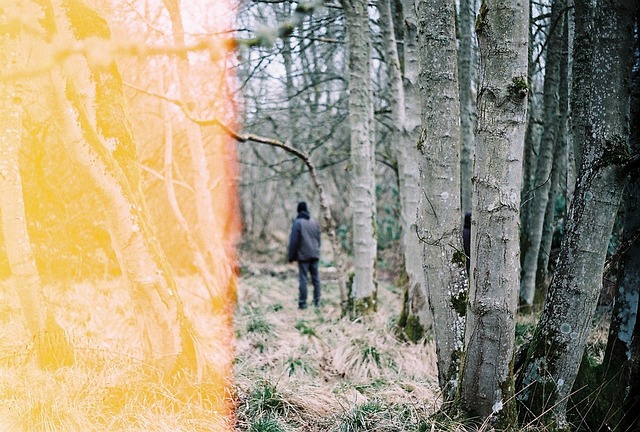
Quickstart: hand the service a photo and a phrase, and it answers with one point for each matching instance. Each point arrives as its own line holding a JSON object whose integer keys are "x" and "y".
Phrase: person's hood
{"x": 303, "y": 215}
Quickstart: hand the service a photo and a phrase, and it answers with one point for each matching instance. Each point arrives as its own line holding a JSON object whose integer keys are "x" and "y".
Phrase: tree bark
{"x": 559, "y": 170}
{"x": 619, "y": 364}
{"x": 558, "y": 343}
{"x": 486, "y": 387}
{"x": 439, "y": 213}
{"x": 363, "y": 290}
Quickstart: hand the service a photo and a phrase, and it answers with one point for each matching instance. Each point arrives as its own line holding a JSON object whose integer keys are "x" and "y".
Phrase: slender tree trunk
{"x": 558, "y": 172}
{"x": 415, "y": 316}
{"x": 51, "y": 346}
{"x": 199, "y": 260}
{"x": 466, "y": 72}
{"x": 558, "y": 343}
{"x": 542, "y": 184}
{"x": 532, "y": 137}
{"x": 210, "y": 240}
{"x": 486, "y": 386}
{"x": 363, "y": 290}
{"x": 439, "y": 212}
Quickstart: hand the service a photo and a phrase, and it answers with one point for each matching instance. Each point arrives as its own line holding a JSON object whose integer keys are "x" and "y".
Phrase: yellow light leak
{"x": 119, "y": 218}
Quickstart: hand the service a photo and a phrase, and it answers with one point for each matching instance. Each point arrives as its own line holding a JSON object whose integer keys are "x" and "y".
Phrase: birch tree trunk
{"x": 199, "y": 260}
{"x": 415, "y": 316}
{"x": 558, "y": 343}
{"x": 209, "y": 238}
{"x": 559, "y": 170}
{"x": 466, "y": 74}
{"x": 91, "y": 114}
{"x": 542, "y": 184}
{"x": 50, "y": 342}
{"x": 486, "y": 386}
{"x": 439, "y": 211}
{"x": 363, "y": 290}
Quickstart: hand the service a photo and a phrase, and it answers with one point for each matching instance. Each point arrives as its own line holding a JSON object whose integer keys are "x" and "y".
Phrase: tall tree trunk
{"x": 532, "y": 137}
{"x": 581, "y": 70}
{"x": 618, "y": 376}
{"x": 93, "y": 119}
{"x": 415, "y": 316}
{"x": 559, "y": 170}
{"x": 558, "y": 343}
{"x": 542, "y": 183}
{"x": 466, "y": 74}
{"x": 50, "y": 342}
{"x": 439, "y": 212}
{"x": 486, "y": 386}
{"x": 209, "y": 236}
{"x": 363, "y": 290}
{"x": 199, "y": 260}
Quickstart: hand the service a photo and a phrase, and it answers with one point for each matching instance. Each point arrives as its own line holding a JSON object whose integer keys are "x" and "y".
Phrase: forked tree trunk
{"x": 363, "y": 290}
{"x": 439, "y": 213}
{"x": 558, "y": 343}
{"x": 486, "y": 387}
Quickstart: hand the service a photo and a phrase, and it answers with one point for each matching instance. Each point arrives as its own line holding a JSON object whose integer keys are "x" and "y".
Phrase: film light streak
{"x": 212, "y": 330}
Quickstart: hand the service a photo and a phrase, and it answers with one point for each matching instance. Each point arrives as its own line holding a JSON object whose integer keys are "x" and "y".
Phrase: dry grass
{"x": 316, "y": 370}
{"x": 108, "y": 388}
{"x": 311, "y": 370}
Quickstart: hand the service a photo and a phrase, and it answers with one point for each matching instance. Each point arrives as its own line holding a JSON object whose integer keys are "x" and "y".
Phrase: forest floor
{"x": 315, "y": 370}
{"x": 302, "y": 371}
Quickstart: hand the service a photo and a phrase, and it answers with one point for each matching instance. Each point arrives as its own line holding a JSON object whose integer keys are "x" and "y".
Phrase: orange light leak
{"x": 120, "y": 215}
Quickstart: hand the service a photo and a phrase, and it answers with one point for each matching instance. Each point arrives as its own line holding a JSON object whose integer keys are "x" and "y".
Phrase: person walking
{"x": 304, "y": 247}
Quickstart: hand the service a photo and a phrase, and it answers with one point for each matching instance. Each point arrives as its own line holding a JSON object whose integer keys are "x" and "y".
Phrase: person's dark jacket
{"x": 304, "y": 241}
{"x": 466, "y": 238}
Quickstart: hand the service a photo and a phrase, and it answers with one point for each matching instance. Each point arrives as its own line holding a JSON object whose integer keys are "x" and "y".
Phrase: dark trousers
{"x": 304, "y": 268}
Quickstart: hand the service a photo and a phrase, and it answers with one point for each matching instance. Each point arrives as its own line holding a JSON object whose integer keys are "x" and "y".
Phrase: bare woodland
{"x": 152, "y": 154}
